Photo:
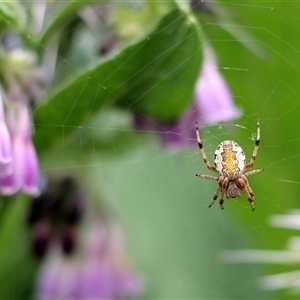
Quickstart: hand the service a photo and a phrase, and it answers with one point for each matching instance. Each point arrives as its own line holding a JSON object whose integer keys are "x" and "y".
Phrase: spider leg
{"x": 256, "y": 145}
{"x": 250, "y": 196}
{"x": 215, "y": 196}
{"x": 221, "y": 202}
{"x": 253, "y": 172}
{"x": 202, "y": 152}
{"x": 244, "y": 185}
{"x": 207, "y": 177}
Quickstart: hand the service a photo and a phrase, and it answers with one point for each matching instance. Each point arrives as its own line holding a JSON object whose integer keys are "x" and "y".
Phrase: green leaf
{"x": 124, "y": 18}
{"x": 63, "y": 14}
{"x": 165, "y": 68}
{"x": 155, "y": 76}
{"x": 13, "y": 14}
{"x": 17, "y": 263}
{"x": 129, "y": 20}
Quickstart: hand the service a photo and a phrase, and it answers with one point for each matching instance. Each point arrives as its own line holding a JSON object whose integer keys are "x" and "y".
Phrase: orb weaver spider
{"x": 230, "y": 163}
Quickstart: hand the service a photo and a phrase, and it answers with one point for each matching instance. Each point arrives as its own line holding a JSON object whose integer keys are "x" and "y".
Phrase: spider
{"x": 230, "y": 163}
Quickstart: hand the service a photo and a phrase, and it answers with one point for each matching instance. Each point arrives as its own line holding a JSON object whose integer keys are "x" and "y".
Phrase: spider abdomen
{"x": 229, "y": 159}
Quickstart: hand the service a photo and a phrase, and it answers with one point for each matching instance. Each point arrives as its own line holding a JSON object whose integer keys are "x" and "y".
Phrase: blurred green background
{"x": 174, "y": 239}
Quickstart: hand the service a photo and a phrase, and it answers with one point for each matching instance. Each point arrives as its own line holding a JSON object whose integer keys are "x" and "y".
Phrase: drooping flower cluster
{"x": 289, "y": 257}
{"x": 19, "y": 168}
{"x": 212, "y": 103}
{"x": 100, "y": 270}
{"x": 81, "y": 260}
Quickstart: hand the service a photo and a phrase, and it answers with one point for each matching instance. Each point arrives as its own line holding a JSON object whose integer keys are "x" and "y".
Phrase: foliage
{"x": 84, "y": 126}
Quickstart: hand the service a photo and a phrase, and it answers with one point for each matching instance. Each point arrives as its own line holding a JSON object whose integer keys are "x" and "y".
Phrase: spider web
{"x": 174, "y": 238}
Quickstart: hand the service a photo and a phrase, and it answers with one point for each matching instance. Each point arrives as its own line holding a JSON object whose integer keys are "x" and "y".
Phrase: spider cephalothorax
{"x": 232, "y": 189}
{"x": 230, "y": 163}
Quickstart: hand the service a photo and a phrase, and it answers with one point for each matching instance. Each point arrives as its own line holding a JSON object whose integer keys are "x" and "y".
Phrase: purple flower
{"x": 57, "y": 278}
{"x": 212, "y": 95}
{"x": 107, "y": 273}
{"x": 5, "y": 143}
{"x": 25, "y": 171}
{"x": 212, "y": 103}
{"x": 101, "y": 270}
